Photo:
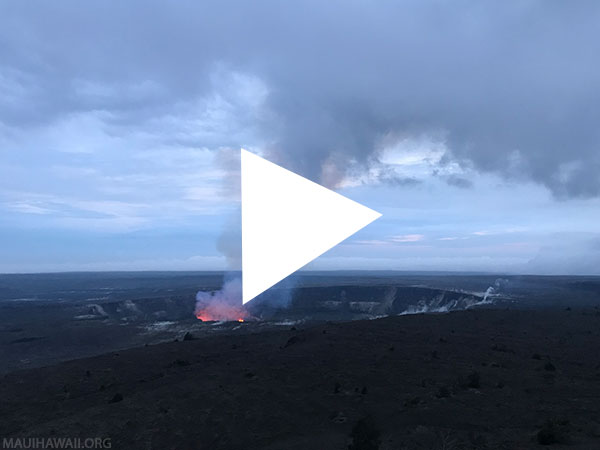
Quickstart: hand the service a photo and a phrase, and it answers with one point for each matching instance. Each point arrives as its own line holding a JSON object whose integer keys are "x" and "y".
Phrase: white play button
{"x": 287, "y": 221}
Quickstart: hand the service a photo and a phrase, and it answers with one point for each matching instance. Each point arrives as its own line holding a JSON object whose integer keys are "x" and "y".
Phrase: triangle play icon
{"x": 287, "y": 221}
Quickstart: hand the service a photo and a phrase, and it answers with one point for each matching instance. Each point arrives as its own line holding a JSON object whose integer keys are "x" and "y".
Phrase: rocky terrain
{"x": 475, "y": 379}
{"x": 47, "y": 318}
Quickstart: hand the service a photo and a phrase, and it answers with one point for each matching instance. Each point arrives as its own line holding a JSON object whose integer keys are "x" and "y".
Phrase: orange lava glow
{"x": 221, "y": 312}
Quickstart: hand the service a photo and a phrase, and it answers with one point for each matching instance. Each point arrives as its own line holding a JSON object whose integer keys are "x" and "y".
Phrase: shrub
{"x": 554, "y": 431}
{"x": 116, "y": 398}
{"x": 365, "y": 436}
{"x": 443, "y": 392}
{"x": 473, "y": 380}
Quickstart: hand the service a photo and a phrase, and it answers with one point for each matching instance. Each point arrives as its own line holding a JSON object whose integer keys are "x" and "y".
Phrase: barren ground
{"x": 473, "y": 379}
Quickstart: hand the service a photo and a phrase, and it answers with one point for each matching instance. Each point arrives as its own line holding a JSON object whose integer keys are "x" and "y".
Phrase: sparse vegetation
{"x": 413, "y": 401}
{"x": 471, "y": 381}
{"x": 180, "y": 363}
{"x": 502, "y": 348}
{"x": 425, "y": 394}
{"x": 443, "y": 392}
{"x": 291, "y": 341}
{"x": 365, "y": 435}
{"x": 554, "y": 431}
{"x": 116, "y": 398}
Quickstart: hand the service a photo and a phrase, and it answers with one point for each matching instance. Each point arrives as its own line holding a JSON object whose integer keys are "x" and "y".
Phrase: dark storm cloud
{"x": 512, "y": 87}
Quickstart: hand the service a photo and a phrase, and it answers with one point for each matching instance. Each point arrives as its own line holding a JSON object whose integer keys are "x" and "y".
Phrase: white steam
{"x": 439, "y": 304}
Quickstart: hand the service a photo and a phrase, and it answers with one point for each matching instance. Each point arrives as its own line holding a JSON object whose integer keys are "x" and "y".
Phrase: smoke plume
{"x": 224, "y": 304}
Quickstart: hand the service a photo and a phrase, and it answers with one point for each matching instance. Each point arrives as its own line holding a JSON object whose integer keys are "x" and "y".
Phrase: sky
{"x": 472, "y": 126}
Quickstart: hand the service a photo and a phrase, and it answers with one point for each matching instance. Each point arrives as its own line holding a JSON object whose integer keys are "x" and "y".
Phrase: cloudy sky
{"x": 473, "y": 126}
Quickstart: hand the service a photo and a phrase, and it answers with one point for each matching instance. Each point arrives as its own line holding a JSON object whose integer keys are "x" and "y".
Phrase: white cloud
{"x": 27, "y": 208}
{"x": 371, "y": 242}
{"x": 95, "y": 168}
{"x": 407, "y": 238}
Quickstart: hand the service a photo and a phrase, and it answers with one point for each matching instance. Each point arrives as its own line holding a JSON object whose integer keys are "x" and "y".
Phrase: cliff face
{"x": 40, "y": 332}
{"x": 353, "y": 302}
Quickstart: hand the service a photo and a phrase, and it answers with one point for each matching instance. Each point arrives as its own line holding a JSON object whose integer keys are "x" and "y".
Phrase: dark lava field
{"x": 474, "y": 379}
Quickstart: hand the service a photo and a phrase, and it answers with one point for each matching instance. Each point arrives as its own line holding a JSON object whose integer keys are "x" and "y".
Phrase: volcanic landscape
{"x": 328, "y": 360}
